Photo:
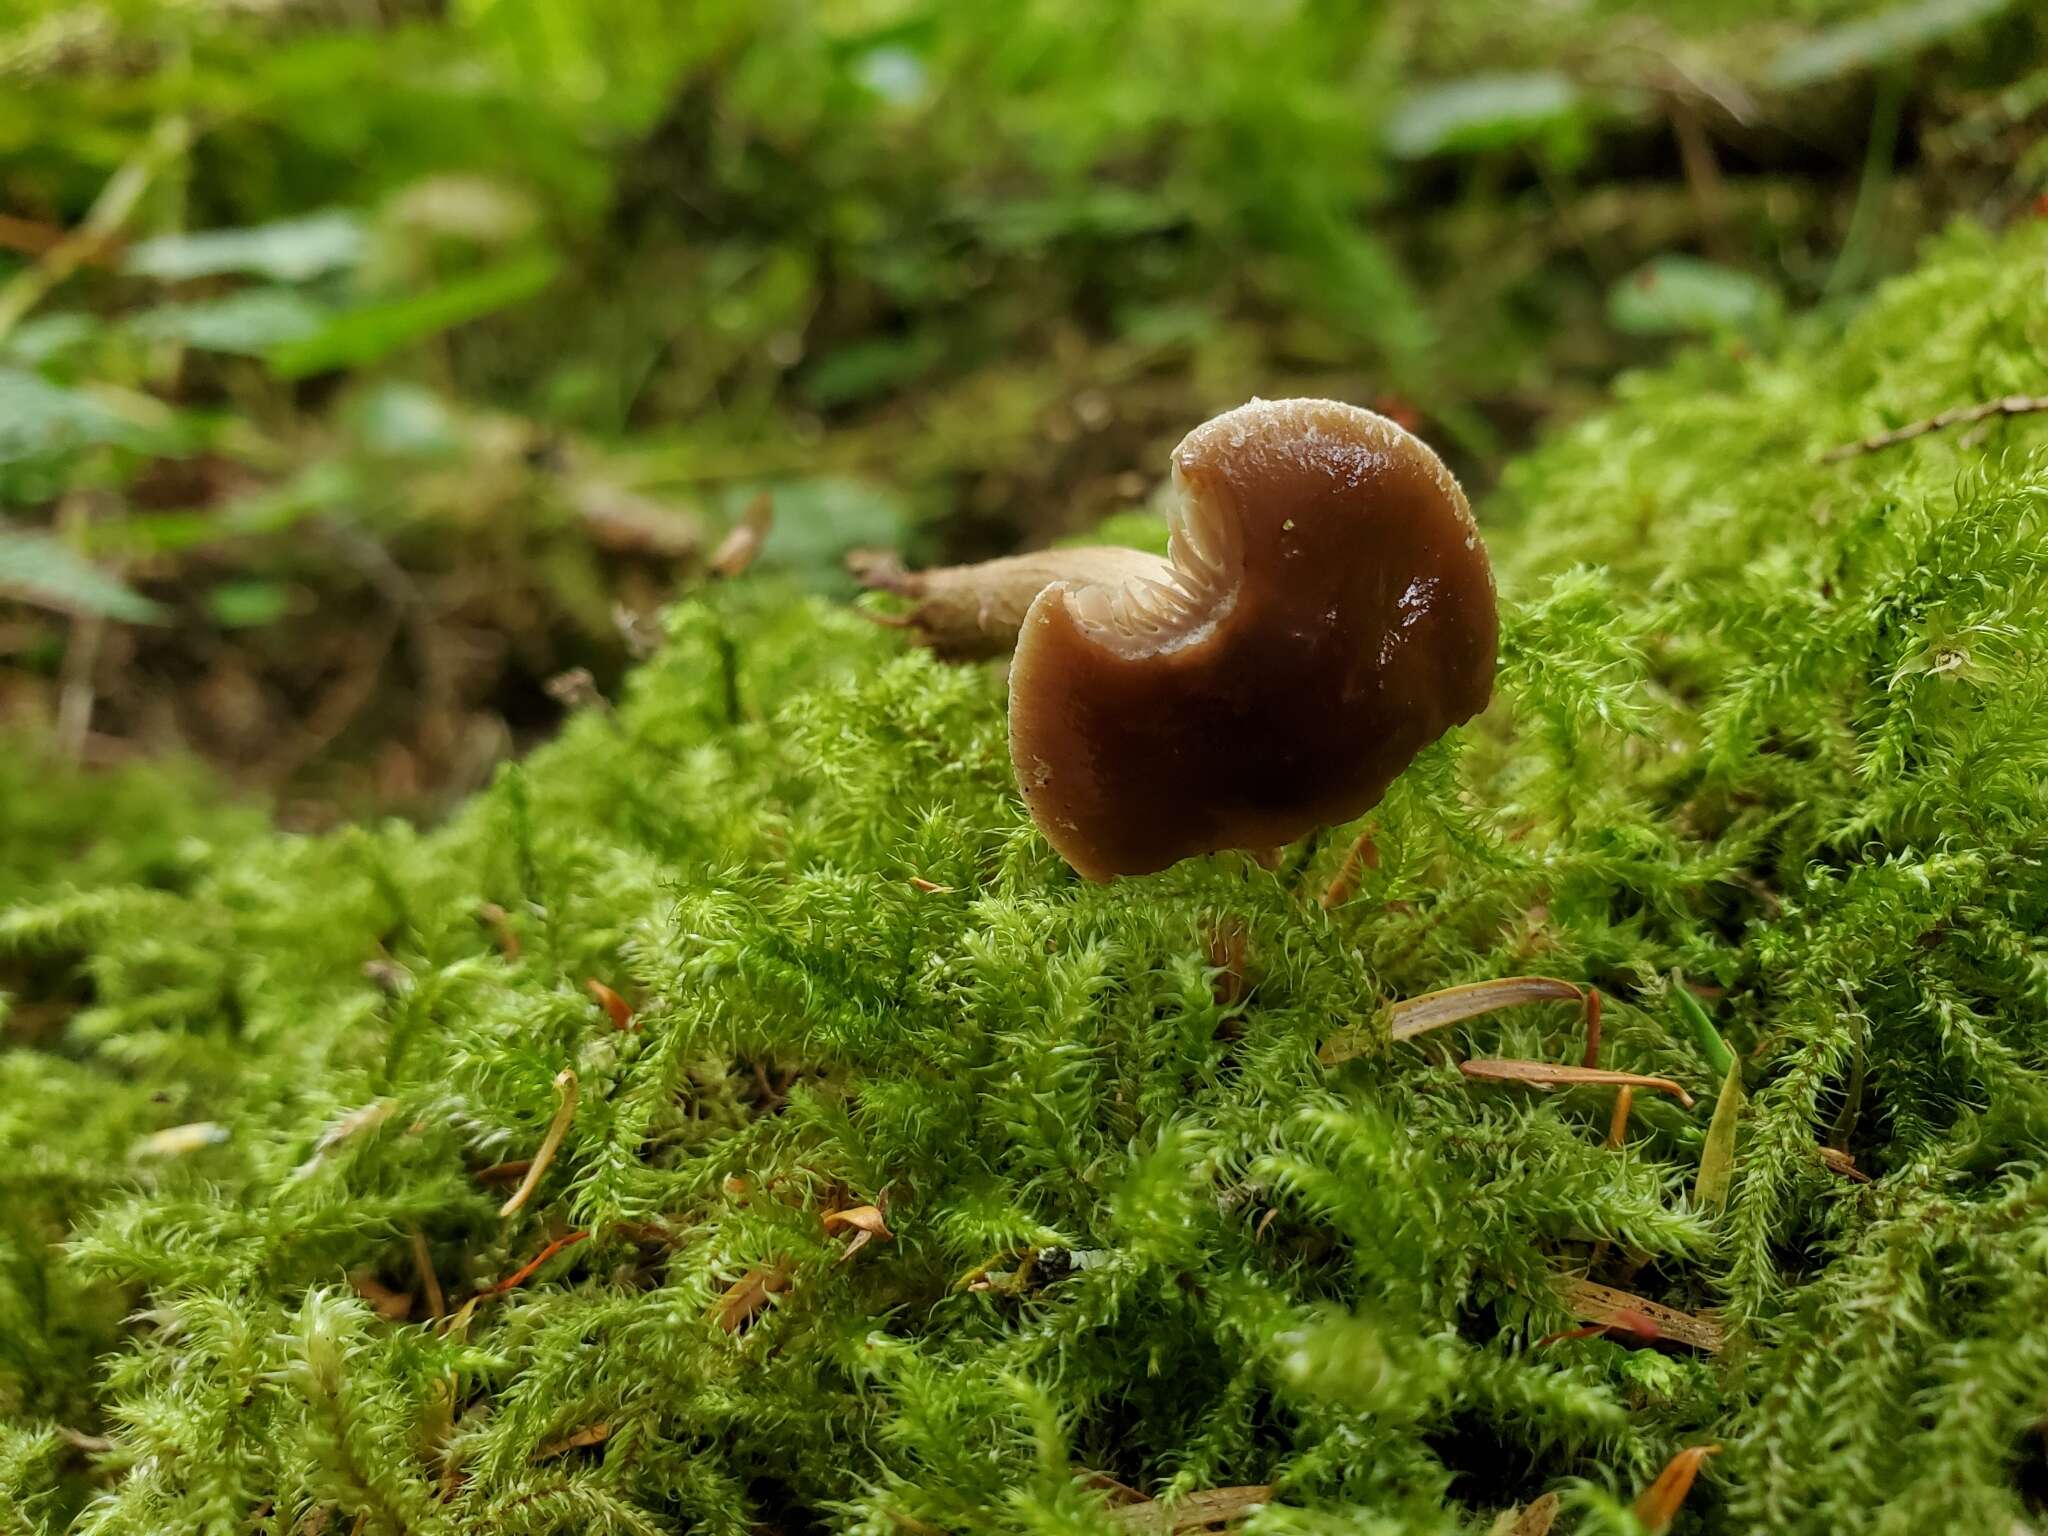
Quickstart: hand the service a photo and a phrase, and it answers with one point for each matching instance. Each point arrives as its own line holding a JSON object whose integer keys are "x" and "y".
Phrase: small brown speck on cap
{"x": 1326, "y": 612}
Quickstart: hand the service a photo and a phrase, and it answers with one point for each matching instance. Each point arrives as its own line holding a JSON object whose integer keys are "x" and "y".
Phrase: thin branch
{"x": 1961, "y": 415}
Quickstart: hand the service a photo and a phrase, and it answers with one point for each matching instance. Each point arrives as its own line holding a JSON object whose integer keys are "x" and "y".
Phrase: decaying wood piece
{"x": 1627, "y": 1313}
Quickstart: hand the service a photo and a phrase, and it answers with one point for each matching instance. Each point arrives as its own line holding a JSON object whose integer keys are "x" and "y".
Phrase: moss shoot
{"x": 909, "y": 1184}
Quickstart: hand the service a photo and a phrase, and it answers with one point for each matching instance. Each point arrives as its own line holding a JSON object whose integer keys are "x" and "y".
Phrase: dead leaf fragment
{"x": 1548, "y": 1074}
{"x": 739, "y": 1305}
{"x": 743, "y": 541}
{"x": 392, "y": 1306}
{"x": 1532, "y": 1519}
{"x": 867, "y": 1222}
{"x": 590, "y": 1434}
{"x": 1841, "y": 1162}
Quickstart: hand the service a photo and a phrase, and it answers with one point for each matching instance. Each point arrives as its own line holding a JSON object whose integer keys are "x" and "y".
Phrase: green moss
{"x": 1773, "y": 723}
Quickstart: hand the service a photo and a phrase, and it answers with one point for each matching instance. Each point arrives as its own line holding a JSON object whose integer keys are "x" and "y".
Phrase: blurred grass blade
{"x": 288, "y": 251}
{"x": 36, "y": 568}
{"x": 365, "y": 334}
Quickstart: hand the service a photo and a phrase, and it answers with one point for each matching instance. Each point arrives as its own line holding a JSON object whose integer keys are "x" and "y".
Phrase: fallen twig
{"x": 1956, "y": 416}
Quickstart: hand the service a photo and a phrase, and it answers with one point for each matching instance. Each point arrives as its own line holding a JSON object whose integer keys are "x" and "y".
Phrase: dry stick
{"x": 1961, "y": 415}
{"x": 565, "y": 1085}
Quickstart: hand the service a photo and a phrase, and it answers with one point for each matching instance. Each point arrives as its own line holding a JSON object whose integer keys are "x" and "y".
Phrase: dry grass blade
{"x": 1433, "y": 1010}
{"x": 1548, "y": 1074}
{"x": 1659, "y": 1503}
{"x": 1650, "y": 1321}
{"x": 929, "y": 887}
{"x": 565, "y": 1085}
{"x": 525, "y": 1272}
{"x": 1210, "y": 1509}
{"x": 1363, "y": 854}
{"x": 1717, "y": 1157}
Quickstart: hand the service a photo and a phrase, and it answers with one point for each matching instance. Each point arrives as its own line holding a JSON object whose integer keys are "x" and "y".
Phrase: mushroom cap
{"x": 1326, "y": 611}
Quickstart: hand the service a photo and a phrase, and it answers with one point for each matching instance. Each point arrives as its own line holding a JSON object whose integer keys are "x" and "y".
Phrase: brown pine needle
{"x": 525, "y": 1272}
{"x": 1660, "y": 1502}
{"x": 565, "y": 1085}
{"x": 1548, "y": 1074}
{"x": 1961, "y": 415}
{"x": 621, "y": 1012}
{"x": 1592, "y": 1056}
{"x": 929, "y": 887}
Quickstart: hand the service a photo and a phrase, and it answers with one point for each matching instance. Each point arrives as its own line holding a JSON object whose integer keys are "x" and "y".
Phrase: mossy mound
{"x": 1777, "y": 724}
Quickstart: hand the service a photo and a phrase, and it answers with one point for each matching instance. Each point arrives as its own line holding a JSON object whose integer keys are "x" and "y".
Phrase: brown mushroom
{"x": 1326, "y": 612}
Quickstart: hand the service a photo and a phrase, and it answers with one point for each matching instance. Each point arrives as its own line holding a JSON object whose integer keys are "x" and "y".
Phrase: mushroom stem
{"x": 968, "y": 612}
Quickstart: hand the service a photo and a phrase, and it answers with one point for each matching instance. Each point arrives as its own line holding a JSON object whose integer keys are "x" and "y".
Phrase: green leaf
{"x": 1483, "y": 112}
{"x": 36, "y": 568}
{"x": 1889, "y": 35}
{"x": 1675, "y": 294}
{"x": 1717, "y": 1156}
{"x": 358, "y": 336}
{"x": 250, "y": 322}
{"x": 290, "y": 251}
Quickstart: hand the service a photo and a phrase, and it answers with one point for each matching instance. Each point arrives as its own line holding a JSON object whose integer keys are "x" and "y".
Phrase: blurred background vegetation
{"x": 367, "y": 364}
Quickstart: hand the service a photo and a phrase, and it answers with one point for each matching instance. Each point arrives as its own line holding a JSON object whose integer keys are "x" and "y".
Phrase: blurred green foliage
{"x": 302, "y": 297}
